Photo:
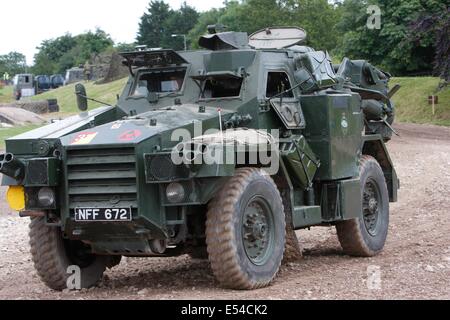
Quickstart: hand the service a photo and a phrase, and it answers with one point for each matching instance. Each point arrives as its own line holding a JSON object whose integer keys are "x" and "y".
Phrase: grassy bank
{"x": 6, "y": 133}
{"x": 6, "y": 94}
{"x": 412, "y": 101}
{"x": 67, "y": 100}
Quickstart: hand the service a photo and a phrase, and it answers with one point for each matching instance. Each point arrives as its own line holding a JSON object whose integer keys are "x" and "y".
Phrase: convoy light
{"x": 46, "y": 197}
{"x": 175, "y": 192}
{"x": 16, "y": 198}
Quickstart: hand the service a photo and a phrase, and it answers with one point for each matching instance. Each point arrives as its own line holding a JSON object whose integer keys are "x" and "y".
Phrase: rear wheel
{"x": 366, "y": 235}
{"x": 52, "y": 256}
{"x": 246, "y": 230}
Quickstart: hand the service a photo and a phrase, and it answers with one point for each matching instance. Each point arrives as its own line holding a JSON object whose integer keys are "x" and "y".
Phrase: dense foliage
{"x": 12, "y": 63}
{"x": 413, "y": 38}
{"x": 60, "y": 54}
{"x": 436, "y": 27}
{"x": 392, "y": 46}
{"x": 160, "y": 25}
{"x": 403, "y": 45}
{"x": 318, "y": 17}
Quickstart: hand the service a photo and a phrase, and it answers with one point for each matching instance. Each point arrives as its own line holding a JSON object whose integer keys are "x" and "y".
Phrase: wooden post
{"x": 433, "y": 100}
{"x": 434, "y": 107}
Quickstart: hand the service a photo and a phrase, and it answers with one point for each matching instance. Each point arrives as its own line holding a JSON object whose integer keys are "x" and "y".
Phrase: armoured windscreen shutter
{"x": 289, "y": 110}
{"x": 290, "y": 113}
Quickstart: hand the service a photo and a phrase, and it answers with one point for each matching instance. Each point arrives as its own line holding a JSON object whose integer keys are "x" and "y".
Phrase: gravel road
{"x": 414, "y": 265}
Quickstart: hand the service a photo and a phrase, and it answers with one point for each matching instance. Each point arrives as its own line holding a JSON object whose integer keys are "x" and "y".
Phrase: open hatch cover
{"x": 277, "y": 38}
{"x": 152, "y": 58}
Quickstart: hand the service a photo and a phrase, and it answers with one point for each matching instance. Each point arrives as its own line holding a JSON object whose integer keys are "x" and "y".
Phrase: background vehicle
{"x": 74, "y": 75}
{"x": 106, "y": 183}
{"x": 23, "y": 86}
{"x": 56, "y": 81}
{"x": 42, "y": 83}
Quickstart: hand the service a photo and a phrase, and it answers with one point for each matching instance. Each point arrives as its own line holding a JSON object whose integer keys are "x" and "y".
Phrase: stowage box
{"x": 334, "y": 126}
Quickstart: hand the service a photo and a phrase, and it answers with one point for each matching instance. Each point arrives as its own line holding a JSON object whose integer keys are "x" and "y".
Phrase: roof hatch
{"x": 277, "y": 38}
{"x": 224, "y": 41}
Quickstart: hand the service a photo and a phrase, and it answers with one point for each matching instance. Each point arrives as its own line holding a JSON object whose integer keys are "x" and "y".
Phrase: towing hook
{"x": 12, "y": 167}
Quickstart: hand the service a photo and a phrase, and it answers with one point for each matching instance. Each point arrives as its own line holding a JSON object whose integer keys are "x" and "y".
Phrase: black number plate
{"x": 102, "y": 214}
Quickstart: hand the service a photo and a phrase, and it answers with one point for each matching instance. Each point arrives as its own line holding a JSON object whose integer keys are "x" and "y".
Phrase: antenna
{"x": 221, "y": 138}
{"x": 220, "y": 119}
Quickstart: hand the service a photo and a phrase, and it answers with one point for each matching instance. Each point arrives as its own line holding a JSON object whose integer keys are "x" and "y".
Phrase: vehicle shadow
{"x": 184, "y": 273}
{"x": 321, "y": 251}
{"x": 171, "y": 274}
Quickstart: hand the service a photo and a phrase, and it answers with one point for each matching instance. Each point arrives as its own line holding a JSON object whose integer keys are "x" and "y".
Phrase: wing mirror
{"x": 82, "y": 102}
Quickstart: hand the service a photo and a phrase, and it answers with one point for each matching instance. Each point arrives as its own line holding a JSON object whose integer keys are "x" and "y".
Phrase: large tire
{"x": 246, "y": 230}
{"x": 52, "y": 255}
{"x": 366, "y": 236}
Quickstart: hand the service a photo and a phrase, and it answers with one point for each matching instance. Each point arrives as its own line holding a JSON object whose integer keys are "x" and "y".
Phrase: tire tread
{"x": 222, "y": 250}
{"x": 45, "y": 254}
{"x": 349, "y": 232}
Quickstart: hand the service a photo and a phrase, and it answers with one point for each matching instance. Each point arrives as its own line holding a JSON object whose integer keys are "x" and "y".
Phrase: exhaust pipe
{"x": 12, "y": 167}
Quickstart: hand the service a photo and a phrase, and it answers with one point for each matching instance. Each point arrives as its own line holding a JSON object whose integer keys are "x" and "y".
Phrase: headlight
{"x": 16, "y": 198}
{"x": 46, "y": 197}
{"x": 175, "y": 193}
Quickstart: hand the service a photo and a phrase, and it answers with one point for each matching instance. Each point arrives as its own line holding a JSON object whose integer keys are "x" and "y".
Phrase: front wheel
{"x": 52, "y": 256}
{"x": 366, "y": 235}
{"x": 246, "y": 231}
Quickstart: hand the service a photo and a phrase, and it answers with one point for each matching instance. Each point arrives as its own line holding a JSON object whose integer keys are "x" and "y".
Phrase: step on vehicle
{"x": 221, "y": 153}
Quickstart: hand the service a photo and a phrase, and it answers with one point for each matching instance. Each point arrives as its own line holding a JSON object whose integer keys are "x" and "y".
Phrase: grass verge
{"x": 6, "y": 133}
{"x": 6, "y": 94}
{"x": 412, "y": 101}
{"x": 66, "y": 95}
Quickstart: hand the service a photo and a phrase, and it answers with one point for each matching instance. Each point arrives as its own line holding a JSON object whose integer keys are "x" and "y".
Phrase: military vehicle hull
{"x": 221, "y": 153}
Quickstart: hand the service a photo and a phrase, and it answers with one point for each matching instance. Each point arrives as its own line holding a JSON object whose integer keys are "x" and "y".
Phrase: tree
{"x": 125, "y": 47}
{"x": 205, "y": 19}
{"x": 12, "y": 63}
{"x": 438, "y": 26}
{"x": 390, "y": 47}
{"x": 317, "y": 17}
{"x": 50, "y": 52}
{"x": 252, "y": 15}
{"x": 91, "y": 43}
{"x": 58, "y": 55}
{"x": 180, "y": 22}
{"x": 160, "y": 22}
{"x": 151, "y": 28}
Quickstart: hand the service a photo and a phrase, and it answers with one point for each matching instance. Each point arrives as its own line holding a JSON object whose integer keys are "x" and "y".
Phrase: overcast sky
{"x": 25, "y": 23}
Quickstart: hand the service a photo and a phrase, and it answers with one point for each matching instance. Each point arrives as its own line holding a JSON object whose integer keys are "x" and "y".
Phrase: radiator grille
{"x": 102, "y": 178}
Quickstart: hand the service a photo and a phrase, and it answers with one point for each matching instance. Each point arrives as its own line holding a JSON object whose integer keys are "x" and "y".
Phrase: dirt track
{"x": 414, "y": 265}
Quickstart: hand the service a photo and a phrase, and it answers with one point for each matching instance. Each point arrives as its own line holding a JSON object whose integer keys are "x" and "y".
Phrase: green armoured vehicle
{"x": 220, "y": 153}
